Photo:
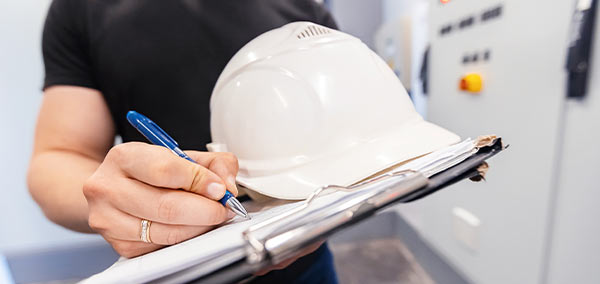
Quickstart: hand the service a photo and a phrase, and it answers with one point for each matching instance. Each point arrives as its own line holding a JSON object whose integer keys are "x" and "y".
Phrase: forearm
{"x": 55, "y": 181}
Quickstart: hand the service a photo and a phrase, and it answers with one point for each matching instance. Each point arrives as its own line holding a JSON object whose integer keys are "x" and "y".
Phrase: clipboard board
{"x": 274, "y": 245}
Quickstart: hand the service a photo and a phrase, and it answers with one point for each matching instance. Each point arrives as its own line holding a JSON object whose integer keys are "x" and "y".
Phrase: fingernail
{"x": 215, "y": 190}
{"x": 231, "y": 182}
{"x": 230, "y": 214}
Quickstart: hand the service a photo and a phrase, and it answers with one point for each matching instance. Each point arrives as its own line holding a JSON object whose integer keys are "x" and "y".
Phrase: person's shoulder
{"x": 65, "y": 45}
{"x": 69, "y": 14}
{"x": 68, "y": 7}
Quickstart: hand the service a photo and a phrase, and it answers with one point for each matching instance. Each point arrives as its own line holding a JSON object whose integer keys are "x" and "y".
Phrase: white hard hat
{"x": 304, "y": 106}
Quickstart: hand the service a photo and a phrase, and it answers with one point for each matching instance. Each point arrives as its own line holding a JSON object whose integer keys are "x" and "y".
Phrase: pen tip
{"x": 237, "y": 207}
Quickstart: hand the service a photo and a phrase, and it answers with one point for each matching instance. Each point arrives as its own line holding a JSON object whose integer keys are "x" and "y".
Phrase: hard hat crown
{"x": 305, "y": 93}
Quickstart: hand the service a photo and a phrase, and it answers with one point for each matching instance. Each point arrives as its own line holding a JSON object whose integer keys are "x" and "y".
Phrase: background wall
{"x": 358, "y": 17}
{"x": 22, "y": 224}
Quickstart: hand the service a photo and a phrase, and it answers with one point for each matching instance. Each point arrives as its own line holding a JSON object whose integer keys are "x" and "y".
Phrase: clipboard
{"x": 268, "y": 243}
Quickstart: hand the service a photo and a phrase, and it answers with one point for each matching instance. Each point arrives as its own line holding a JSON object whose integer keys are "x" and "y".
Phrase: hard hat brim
{"x": 344, "y": 169}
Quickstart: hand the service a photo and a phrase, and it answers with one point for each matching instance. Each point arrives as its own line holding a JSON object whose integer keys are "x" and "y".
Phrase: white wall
{"x": 22, "y": 225}
{"x": 358, "y": 17}
{"x": 418, "y": 12}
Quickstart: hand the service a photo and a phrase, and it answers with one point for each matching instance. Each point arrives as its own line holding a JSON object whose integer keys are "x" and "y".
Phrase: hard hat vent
{"x": 312, "y": 31}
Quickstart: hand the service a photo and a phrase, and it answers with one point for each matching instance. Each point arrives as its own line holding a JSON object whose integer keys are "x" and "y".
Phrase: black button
{"x": 445, "y": 29}
{"x": 491, "y": 14}
{"x": 486, "y": 55}
{"x": 466, "y": 59}
{"x": 466, "y": 22}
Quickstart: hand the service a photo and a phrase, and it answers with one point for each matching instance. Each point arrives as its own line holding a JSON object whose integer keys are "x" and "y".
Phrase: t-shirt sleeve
{"x": 65, "y": 46}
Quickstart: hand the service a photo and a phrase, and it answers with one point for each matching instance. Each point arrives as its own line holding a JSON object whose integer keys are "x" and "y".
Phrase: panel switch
{"x": 472, "y": 83}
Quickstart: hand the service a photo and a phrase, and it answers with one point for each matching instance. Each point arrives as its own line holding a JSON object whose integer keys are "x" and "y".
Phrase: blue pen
{"x": 159, "y": 137}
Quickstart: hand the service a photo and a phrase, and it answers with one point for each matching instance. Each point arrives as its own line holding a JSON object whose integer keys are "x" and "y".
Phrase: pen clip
{"x": 151, "y": 130}
{"x": 164, "y": 134}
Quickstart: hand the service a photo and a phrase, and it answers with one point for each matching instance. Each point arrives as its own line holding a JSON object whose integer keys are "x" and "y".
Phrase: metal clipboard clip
{"x": 280, "y": 237}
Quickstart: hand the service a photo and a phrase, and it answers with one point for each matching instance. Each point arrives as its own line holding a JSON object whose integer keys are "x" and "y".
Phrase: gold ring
{"x": 145, "y": 231}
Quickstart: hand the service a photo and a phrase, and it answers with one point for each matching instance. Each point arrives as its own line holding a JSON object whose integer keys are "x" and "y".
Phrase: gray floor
{"x": 386, "y": 260}
{"x": 385, "y": 249}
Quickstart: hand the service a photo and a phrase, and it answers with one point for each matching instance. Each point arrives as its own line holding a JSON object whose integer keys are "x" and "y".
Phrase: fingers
{"x": 225, "y": 165}
{"x": 140, "y": 181}
{"x": 160, "y": 234}
{"x": 163, "y": 205}
{"x": 157, "y": 166}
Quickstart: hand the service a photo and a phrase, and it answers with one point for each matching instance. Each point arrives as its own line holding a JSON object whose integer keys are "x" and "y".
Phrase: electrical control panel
{"x": 498, "y": 67}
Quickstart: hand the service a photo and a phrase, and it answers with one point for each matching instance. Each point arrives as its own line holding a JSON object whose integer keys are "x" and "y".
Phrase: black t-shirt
{"x": 160, "y": 58}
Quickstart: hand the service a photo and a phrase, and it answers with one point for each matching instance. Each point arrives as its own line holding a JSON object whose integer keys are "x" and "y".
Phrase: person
{"x": 161, "y": 58}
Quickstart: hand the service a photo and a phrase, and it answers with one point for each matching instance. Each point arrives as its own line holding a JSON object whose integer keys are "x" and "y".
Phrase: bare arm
{"x": 73, "y": 134}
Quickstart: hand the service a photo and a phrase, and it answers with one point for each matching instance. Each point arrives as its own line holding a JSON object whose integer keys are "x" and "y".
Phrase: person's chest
{"x": 168, "y": 43}
{"x": 162, "y": 58}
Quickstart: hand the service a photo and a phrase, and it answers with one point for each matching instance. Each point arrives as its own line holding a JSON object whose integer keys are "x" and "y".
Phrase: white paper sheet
{"x": 442, "y": 159}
